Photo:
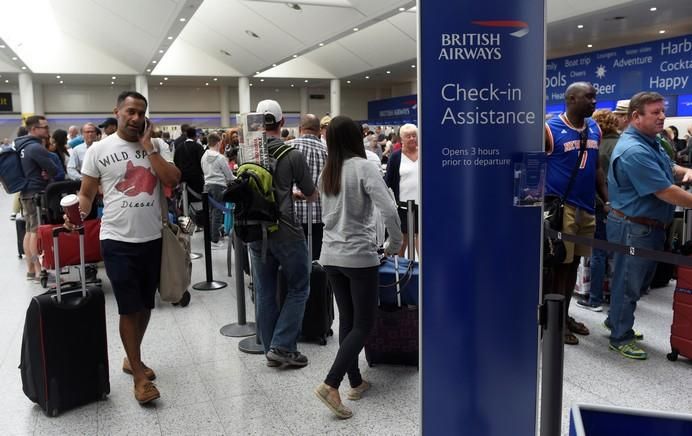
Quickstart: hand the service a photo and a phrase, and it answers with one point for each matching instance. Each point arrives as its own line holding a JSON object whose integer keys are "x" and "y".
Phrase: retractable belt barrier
{"x": 213, "y": 202}
{"x": 659, "y": 256}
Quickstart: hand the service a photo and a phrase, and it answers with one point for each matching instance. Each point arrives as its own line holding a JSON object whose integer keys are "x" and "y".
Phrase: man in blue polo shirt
{"x": 643, "y": 196}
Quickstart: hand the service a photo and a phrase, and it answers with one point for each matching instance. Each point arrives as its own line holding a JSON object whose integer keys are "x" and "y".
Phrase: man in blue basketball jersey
{"x": 572, "y": 141}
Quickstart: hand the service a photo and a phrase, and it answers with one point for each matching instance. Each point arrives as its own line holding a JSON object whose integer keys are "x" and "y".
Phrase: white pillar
{"x": 142, "y": 86}
{"x": 225, "y": 113}
{"x": 244, "y": 95}
{"x": 334, "y": 97}
{"x": 39, "y": 104}
{"x": 26, "y": 95}
{"x": 378, "y": 93}
{"x": 304, "y": 109}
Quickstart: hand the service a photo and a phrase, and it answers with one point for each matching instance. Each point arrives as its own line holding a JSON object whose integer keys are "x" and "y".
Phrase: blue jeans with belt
{"x": 631, "y": 274}
{"x": 279, "y": 327}
{"x": 599, "y": 260}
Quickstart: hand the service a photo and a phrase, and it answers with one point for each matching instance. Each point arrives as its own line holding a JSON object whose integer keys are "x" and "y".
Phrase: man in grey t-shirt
{"x": 279, "y": 327}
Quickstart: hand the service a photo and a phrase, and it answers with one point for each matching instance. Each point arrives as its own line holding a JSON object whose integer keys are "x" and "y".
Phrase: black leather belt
{"x": 640, "y": 220}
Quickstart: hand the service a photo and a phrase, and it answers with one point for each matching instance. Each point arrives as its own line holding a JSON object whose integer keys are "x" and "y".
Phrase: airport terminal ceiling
{"x": 193, "y": 42}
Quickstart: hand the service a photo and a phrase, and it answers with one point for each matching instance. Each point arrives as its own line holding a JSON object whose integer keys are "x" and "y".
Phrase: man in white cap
{"x": 279, "y": 326}
{"x": 620, "y": 112}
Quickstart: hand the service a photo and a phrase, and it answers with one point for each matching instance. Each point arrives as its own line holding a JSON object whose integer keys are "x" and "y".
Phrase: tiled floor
{"x": 209, "y": 387}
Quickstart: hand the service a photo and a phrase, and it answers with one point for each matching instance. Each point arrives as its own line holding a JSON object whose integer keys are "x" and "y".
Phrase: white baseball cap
{"x": 270, "y": 107}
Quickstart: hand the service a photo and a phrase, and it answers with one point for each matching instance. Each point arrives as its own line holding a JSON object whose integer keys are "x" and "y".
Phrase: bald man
{"x": 571, "y": 142}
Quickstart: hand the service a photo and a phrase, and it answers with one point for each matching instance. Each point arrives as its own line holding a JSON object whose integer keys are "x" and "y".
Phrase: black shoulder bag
{"x": 554, "y": 252}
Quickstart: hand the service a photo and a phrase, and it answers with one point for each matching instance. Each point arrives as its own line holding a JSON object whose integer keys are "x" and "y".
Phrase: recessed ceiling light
{"x": 170, "y": 37}
{"x": 251, "y": 84}
{"x": 14, "y": 58}
{"x": 58, "y": 76}
{"x": 653, "y": 9}
{"x": 112, "y": 83}
{"x": 165, "y": 78}
{"x": 292, "y": 85}
{"x": 306, "y": 80}
{"x": 402, "y": 9}
{"x": 295, "y": 56}
{"x": 2, "y": 46}
{"x": 367, "y": 77}
{"x": 153, "y": 62}
{"x": 580, "y": 26}
{"x": 388, "y": 72}
{"x": 7, "y": 81}
{"x": 257, "y": 72}
{"x": 321, "y": 44}
{"x": 113, "y": 78}
{"x": 160, "y": 83}
{"x": 589, "y": 45}
{"x": 160, "y": 51}
{"x": 182, "y": 20}
{"x": 348, "y": 81}
{"x": 273, "y": 65}
{"x": 206, "y": 83}
{"x": 62, "y": 82}
{"x": 661, "y": 31}
{"x": 294, "y": 6}
{"x": 355, "y": 29}
{"x": 261, "y": 80}
{"x": 23, "y": 67}
{"x": 148, "y": 70}
{"x": 251, "y": 33}
{"x": 215, "y": 79}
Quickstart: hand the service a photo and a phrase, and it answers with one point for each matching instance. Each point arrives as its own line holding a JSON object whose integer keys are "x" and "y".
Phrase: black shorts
{"x": 133, "y": 270}
{"x": 403, "y": 216}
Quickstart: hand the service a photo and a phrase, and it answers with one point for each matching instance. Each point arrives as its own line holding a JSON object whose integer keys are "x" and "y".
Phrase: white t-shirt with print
{"x": 131, "y": 196}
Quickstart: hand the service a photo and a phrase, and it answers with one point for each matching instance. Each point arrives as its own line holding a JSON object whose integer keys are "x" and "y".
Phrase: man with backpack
{"x": 279, "y": 327}
{"x": 39, "y": 168}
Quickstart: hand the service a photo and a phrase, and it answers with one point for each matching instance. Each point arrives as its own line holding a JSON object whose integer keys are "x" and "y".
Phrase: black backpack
{"x": 256, "y": 213}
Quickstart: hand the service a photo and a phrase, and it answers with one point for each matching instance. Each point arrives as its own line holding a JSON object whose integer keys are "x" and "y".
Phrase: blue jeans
{"x": 630, "y": 274}
{"x": 599, "y": 259}
{"x": 279, "y": 327}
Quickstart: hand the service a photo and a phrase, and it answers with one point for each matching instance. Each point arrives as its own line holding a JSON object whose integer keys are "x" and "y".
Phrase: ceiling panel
{"x": 339, "y": 60}
{"x": 184, "y": 60}
{"x": 562, "y": 9}
{"x": 381, "y": 44}
{"x": 406, "y": 22}
{"x": 311, "y": 25}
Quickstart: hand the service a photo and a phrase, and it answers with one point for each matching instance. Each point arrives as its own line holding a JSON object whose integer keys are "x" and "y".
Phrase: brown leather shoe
{"x": 147, "y": 371}
{"x": 146, "y": 393}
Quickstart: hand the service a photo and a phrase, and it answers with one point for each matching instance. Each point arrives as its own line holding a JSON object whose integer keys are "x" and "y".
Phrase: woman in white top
{"x": 350, "y": 189}
{"x": 403, "y": 177}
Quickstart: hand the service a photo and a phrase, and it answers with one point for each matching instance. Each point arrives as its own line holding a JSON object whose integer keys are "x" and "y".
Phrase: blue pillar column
{"x": 481, "y": 97}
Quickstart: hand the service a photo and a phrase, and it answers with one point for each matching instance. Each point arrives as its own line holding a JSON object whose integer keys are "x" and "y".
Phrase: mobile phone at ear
{"x": 145, "y": 125}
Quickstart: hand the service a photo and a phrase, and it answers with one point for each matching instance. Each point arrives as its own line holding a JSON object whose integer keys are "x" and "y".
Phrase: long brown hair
{"x": 344, "y": 141}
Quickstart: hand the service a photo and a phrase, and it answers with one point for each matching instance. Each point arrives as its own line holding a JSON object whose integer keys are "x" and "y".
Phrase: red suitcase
{"x": 681, "y": 329}
{"x": 69, "y": 245}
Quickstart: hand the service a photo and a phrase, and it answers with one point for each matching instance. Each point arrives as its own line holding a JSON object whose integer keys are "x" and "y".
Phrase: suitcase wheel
{"x": 330, "y": 332}
{"x": 673, "y": 355}
{"x": 52, "y": 413}
{"x": 323, "y": 340}
{"x": 44, "y": 282}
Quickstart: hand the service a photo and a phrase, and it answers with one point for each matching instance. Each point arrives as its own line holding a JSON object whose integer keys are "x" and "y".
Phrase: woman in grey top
{"x": 350, "y": 189}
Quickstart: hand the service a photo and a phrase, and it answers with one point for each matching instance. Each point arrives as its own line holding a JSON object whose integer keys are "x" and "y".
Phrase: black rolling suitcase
{"x": 64, "y": 355}
{"x": 319, "y": 309}
{"x": 394, "y": 338}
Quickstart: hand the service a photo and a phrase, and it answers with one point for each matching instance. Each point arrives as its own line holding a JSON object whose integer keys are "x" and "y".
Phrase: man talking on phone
{"x": 130, "y": 171}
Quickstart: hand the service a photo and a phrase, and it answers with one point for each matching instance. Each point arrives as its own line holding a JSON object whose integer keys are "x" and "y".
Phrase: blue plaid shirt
{"x": 315, "y": 153}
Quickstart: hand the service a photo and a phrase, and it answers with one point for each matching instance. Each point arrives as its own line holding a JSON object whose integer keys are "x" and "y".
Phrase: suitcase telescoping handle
{"x": 410, "y": 228}
{"x": 309, "y": 206}
{"x": 56, "y": 254}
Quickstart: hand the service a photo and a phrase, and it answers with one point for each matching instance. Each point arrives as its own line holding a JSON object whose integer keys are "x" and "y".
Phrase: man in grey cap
{"x": 620, "y": 112}
{"x": 279, "y": 326}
